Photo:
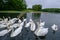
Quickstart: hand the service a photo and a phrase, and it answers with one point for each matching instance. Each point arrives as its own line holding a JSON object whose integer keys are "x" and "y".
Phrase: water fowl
{"x": 18, "y": 30}
{"x": 41, "y": 31}
{"x": 32, "y": 26}
{"x": 54, "y": 27}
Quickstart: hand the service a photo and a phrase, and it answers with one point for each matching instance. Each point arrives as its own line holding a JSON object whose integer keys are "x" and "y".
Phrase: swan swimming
{"x": 18, "y": 30}
{"x": 54, "y": 27}
{"x": 41, "y": 31}
{"x": 32, "y": 25}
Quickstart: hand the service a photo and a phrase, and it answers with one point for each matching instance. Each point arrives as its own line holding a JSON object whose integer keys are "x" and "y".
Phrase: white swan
{"x": 41, "y": 31}
{"x": 18, "y": 30}
{"x": 54, "y": 27}
{"x": 4, "y": 32}
{"x": 33, "y": 26}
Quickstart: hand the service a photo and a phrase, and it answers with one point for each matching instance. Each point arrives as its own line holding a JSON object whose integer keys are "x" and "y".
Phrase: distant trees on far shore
{"x": 51, "y": 10}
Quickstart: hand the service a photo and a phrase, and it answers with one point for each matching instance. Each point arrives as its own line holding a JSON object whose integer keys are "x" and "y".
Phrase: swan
{"x": 54, "y": 27}
{"x": 4, "y": 32}
{"x": 18, "y": 30}
{"x": 33, "y": 26}
{"x": 41, "y": 31}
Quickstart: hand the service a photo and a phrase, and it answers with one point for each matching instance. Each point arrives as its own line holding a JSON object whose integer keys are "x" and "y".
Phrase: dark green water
{"x": 49, "y": 18}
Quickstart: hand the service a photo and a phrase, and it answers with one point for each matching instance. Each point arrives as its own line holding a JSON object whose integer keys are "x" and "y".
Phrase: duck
{"x": 54, "y": 27}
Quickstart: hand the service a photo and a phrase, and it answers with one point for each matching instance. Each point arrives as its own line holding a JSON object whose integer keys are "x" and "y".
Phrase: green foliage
{"x": 37, "y": 7}
{"x": 12, "y": 5}
{"x": 51, "y": 10}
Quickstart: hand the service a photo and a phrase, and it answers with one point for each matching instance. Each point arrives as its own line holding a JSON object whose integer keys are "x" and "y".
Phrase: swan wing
{"x": 3, "y": 32}
{"x": 2, "y": 26}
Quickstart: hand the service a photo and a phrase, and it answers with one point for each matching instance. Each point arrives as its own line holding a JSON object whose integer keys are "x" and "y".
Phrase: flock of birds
{"x": 18, "y": 23}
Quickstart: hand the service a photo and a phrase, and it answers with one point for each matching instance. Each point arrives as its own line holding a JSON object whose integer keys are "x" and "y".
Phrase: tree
{"x": 37, "y": 7}
{"x": 12, "y": 5}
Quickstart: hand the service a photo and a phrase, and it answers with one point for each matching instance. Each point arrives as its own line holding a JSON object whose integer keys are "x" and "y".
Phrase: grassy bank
{"x": 14, "y": 11}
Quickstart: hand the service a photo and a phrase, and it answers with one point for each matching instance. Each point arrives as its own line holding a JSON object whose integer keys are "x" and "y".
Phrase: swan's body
{"x": 3, "y": 32}
{"x": 54, "y": 27}
{"x": 41, "y": 31}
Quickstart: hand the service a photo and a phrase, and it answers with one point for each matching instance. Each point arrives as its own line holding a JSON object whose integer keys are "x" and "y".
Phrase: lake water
{"x": 49, "y": 18}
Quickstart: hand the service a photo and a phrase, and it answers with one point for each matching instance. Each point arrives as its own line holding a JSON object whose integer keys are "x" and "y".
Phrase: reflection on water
{"x": 49, "y": 18}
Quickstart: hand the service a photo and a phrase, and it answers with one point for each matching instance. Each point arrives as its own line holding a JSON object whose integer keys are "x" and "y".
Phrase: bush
{"x": 37, "y": 7}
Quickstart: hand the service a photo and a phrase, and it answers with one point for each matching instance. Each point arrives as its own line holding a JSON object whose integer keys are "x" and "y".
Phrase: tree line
{"x": 12, "y": 4}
